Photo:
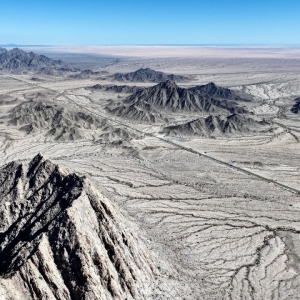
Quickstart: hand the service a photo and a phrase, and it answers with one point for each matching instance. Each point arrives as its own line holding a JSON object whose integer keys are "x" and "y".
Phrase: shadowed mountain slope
{"x": 146, "y": 104}
{"x": 116, "y": 88}
{"x": 19, "y": 61}
{"x": 53, "y": 120}
{"x": 219, "y": 125}
{"x": 56, "y": 122}
{"x": 62, "y": 239}
{"x": 148, "y": 75}
{"x": 212, "y": 90}
{"x": 296, "y": 107}
{"x": 2, "y": 50}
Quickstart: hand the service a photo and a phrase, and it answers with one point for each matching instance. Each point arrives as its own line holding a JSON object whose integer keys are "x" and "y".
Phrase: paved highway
{"x": 168, "y": 141}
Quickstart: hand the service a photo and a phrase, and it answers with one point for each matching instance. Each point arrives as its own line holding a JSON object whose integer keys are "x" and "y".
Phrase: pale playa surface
{"x": 182, "y": 51}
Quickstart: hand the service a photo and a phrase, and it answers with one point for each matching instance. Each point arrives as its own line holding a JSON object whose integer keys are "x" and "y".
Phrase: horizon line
{"x": 10, "y": 45}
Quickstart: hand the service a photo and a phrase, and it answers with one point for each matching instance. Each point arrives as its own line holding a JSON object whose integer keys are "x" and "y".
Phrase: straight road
{"x": 168, "y": 141}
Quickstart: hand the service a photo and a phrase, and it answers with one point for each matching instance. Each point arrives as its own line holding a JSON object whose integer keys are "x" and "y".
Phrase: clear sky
{"x": 136, "y": 22}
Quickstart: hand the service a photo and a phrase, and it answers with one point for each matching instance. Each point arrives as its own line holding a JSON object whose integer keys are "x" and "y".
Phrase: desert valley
{"x": 169, "y": 173}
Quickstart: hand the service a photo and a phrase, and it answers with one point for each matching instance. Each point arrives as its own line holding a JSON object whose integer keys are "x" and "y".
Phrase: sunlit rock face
{"x": 62, "y": 239}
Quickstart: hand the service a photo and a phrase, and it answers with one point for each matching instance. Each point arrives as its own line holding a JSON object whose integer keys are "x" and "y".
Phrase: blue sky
{"x": 131, "y": 22}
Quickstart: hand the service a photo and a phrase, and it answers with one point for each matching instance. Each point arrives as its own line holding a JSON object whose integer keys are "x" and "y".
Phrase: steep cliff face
{"x": 60, "y": 238}
{"x": 18, "y": 61}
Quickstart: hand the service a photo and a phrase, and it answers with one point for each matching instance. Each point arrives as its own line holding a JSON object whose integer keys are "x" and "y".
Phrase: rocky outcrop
{"x": 55, "y": 122}
{"x": 126, "y": 89}
{"x": 62, "y": 239}
{"x": 2, "y": 50}
{"x": 147, "y": 103}
{"x": 214, "y": 91}
{"x": 19, "y": 61}
{"x": 296, "y": 107}
{"x": 52, "y": 120}
{"x": 216, "y": 125}
{"x": 86, "y": 74}
{"x": 148, "y": 75}
{"x": 142, "y": 112}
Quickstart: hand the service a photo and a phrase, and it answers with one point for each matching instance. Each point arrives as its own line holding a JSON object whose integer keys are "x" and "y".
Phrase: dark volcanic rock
{"x": 212, "y": 90}
{"x": 148, "y": 75}
{"x": 218, "y": 92}
{"x": 126, "y": 89}
{"x": 296, "y": 107}
{"x": 216, "y": 125}
{"x": 36, "y": 79}
{"x": 146, "y": 104}
{"x": 19, "y": 61}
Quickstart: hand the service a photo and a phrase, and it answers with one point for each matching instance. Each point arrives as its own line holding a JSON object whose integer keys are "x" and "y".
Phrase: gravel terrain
{"x": 190, "y": 215}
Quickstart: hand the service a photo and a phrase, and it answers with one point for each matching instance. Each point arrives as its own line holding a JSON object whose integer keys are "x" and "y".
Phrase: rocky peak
{"x": 17, "y": 51}
{"x": 60, "y": 238}
{"x": 168, "y": 84}
{"x": 147, "y": 75}
{"x": 212, "y": 90}
{"x": 2, "y": 50}
{"x": 19, "y": 61}
{"x": 296, "y": 107}
{"x": 211, "y": 85}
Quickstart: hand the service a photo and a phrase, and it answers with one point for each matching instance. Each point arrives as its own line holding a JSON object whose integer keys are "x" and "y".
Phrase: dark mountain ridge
{"x": 147, "y": 103}
{"x": 2, "y": 50}
{"x": 296, "y": 107}
{"x": 148, "y": 75}
{"x": 127, "y": 89}
{"x": 218, "y": 125}
{"x": 212, "y": 90}
{"x": 19, "y": 61}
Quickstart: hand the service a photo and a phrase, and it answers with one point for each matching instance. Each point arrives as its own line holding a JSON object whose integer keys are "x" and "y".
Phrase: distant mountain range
{"x": 126, "y": 89}
{"x": 86, "y": 74}
{"x": 147, "y": 104}
{"x": 19, "y": 45}
{"x": 20, "y": 62}
{"x": 148, "y": 75}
